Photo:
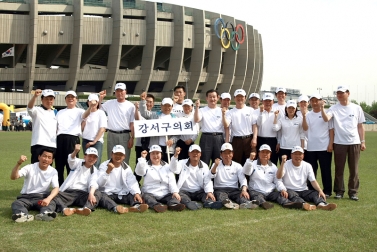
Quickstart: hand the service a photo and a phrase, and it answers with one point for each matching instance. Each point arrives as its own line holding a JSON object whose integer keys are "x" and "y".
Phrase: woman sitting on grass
{"x": 159, "y": 185}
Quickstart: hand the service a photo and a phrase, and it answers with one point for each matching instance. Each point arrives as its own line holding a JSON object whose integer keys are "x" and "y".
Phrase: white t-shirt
{"x": 177, "y": 109}
{"x": 44, "y": 127}
{"x": 191, "y": 184}
{"x": 38, "y": 181}
{"x": 318, "y": 132}
{"x": 228, "y": 176}
{"x": 291, "y": 132}
{"x": 211, "y": 119}
{"x": 94, "y": 122}
{"x": 120, "y": 114}
{"x": 346, "y": 119}
{"x": 281, "y": 108}
{"x": 295, "y": 178}
{"x": 241, "y": 120}
{"x": 69, "y": 121}
{"x": 265, "y": 123}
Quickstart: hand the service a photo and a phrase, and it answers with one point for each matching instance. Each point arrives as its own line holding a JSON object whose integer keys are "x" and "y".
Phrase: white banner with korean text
{"x": 163, "y": 127}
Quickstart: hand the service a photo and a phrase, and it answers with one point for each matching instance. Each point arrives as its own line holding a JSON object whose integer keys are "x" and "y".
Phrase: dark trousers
{"x": 65, "y": 145}
{"x": 286, "y": 152}
{"x": 111, "y": 201}
{"x": 306, "y": 195}
{"x": 184, "y": 149}
{"x": 35, "y": 151}
{"x": 210, "y": 146}
{"x": 151, "y": 200}
{"x": 233, "y": 194}
{"x": 75, "y": 198}
{"x": 241, "y": 149}
{"x": 272, "y": 142}
{"x": 351, "y": 153}
{"x": 274, "y": 196}
{"x": 324, "y": 158}
{"x": 187, "y": 197}
{"x": 26, "y": 202}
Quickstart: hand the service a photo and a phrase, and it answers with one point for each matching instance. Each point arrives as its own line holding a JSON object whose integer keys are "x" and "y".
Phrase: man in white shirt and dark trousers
{"x": 212, "y": 127}
{"x": 69, "y": 129}
{"x": 228, "y": 175}
{"x": 242, "y": 123}
{"x": 80, "y": 188}
{"x": 36, "y": 193}
{"x": 294, "y": 174}
{"x": 266, "y": 135}
{"x": 194, "y": 182}
{"x": 119, "y": 185}
{"x": 44, "y": 123}
{"x": 320, "y": 142}
{"x": 349, "y": 140}
{"x": 263, "y": 184}
{"x": 121, "y": 117}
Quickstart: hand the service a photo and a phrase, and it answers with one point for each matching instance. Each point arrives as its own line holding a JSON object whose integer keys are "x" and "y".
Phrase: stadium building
{"x": 90, "y": 45}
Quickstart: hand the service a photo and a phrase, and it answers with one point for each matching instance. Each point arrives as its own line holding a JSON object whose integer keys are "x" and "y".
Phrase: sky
{"x": 311, "y": 45}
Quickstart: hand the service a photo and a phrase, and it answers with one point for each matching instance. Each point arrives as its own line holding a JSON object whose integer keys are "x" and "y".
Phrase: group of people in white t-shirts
{"x": 243, "y": 146}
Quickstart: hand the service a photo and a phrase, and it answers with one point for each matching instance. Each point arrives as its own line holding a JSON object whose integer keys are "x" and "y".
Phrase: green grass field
{"x": 351, "y": 227}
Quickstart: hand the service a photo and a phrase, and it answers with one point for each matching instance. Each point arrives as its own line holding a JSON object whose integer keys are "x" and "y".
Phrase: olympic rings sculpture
{"x": 228, "y": 35}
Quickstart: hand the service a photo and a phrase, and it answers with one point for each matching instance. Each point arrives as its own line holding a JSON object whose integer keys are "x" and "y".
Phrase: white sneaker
{"x": 21, "y": 217}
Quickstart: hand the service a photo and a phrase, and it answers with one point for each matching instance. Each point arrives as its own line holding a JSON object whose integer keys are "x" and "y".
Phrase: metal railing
{"x": 133, "y": 5}
{"x": 99, "y": 3}
{"x": 13, "y": 1}
{"x": 65, "y": 2}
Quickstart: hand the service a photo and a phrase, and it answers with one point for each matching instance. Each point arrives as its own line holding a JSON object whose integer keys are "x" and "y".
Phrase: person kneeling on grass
{"x": 294, "y": 174}
{"x": 227, "y": 174}
{"x": 80, "y": 187}
{"x": 35, "y": 193}
{"x": 194, "y": 182}
{"x": 118, "y": 184}
{"x": 159, "y": 182}
{"x": 263, "y": 184}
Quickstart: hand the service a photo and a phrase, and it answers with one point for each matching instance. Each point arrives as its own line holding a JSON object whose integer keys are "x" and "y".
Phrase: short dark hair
{"x": 212, "y": 91}
{"x": 151, "y": 96}
{"x": 46, "y": 149}
{"x": 180, "y": 86}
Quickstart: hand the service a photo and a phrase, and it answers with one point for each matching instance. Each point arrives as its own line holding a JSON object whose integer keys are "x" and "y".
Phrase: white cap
{"x": 93, "y": 97}
{"x": 48, "y": 92}
{"x": 226, "y": 146}
{"x": 280, "y": 89}
{"x": 268, "y": 96}
{"x": 239, "y": 92}
{"x": 71, "y": 92}
{"x": 120, "y": 86}
{"x": 119, "y": 149}
{"x": 318, "y": 96}
{"x": 225, "y": 96}
{"x": 91, "y": 150}
{"x": 265, "y": 147}
{"x": 187, "y": 102}
{"x": 167, "y": 101}
{"x": 291, "y": 103}
{"x": 195, "y": 147}
{"x": 155, "y": 148}
{"x": 256, "y": 95}
{"x": 297, "y": 148}
{"x": 303, "y": 98}
{"x": 342, "y": 89}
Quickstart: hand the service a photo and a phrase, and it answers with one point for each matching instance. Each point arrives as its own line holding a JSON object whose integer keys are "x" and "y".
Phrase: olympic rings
{"x": 228, "y": 35}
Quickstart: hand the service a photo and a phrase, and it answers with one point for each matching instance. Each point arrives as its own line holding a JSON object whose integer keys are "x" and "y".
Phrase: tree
{"x": 365, "y": 107}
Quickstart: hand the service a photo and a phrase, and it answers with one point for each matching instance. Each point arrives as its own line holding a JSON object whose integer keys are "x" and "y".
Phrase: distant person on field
{"x": 294, "y": 174}
{"x": 349, "y": 140}
{"x": 36, "y": 193}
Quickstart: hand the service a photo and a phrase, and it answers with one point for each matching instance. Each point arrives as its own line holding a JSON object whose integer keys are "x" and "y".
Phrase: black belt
{"x": 243, "y": 137}
{"x": 120, "y": 132}
{"x": 212, "y": 134}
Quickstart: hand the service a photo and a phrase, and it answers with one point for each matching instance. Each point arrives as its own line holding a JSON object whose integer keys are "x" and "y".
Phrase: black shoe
{"x": 192, "y": 205}
{"x": 267, "y": 205}
{"x": 293, "y": 205}
{"x": 177, "y": 207}
{"x": 354, "y": 197}
{"x": 213, "y": 205}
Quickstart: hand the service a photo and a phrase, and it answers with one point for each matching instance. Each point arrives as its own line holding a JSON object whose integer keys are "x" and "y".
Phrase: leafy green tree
{"x": 365, "y": 107}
